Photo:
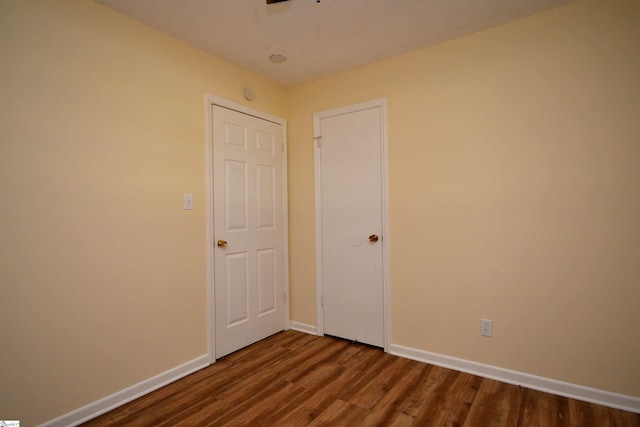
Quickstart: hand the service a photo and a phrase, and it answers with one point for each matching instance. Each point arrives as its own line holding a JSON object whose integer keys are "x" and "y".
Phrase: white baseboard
{"x": 303, "y": 327}
{"x": 108, "y": 403}
{"x": 600, "y": 397}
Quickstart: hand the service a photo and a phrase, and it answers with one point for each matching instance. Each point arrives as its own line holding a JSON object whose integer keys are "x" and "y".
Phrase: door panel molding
{"x": 385, "y": 241}
{"x": 210, "y": 102}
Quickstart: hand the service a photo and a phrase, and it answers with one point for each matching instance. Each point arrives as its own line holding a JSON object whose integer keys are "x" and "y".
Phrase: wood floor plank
{"x": 367, "y": 376}
{"x": 259, "y": 405}
{"x": 386, "y": 411}
{"x": 310, "y": 359}
{"x": 430, "y": 379}
{"x": 624, "y": 418}
{"x": 364, "y": 359}
{"x": 588, "y": 414}
{"x": 451, "y": 401}
{"x": 299, "y": 340}
{"x": 544, "y": 409}
{"x": 201, "y": 413}
{"x": 340, "y": 413}
{"x": 270, "y": 371}
{"x": 296, "y": 379}
{"x": 496, "y": 404}
{"x": 307, "y": 406}
{"x": 344, "y": 358}
{"x": 379, "y": 386}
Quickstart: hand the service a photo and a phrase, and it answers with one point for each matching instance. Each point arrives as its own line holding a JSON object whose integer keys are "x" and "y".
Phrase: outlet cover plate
{"x": 486, "y": 328}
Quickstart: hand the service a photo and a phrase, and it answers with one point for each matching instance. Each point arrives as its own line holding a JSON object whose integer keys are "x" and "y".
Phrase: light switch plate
{"x": 188, "y": 201}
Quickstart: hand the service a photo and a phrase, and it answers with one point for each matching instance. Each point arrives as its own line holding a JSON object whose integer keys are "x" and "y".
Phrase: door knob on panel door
{"x": 222, "y": 244}
{"x": 373, "y": 238}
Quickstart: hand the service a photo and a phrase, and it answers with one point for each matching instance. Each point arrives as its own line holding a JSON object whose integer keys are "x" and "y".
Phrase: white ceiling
{"x": 320, "y": 38}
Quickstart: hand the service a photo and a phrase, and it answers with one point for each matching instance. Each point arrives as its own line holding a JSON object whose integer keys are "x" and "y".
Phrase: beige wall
{"x": 103, "y": 274}
{"x": 514, "y": 162}
{"x": 514, "y": 176}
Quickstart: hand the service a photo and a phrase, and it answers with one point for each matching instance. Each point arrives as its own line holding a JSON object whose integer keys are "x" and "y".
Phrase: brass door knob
{"x": 373, "y": 238}
{"x": 222, "y": 243}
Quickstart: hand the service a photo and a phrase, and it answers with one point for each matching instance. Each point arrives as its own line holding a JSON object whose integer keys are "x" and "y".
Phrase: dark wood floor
{"x": 296, "y": 379}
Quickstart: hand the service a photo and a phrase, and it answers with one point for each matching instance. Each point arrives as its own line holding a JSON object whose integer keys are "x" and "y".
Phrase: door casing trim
{"x": 386, "y": 315}
{"x": 210, "y": 101}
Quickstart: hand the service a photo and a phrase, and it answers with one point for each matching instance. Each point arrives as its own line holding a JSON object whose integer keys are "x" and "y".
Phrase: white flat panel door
{"x": 248, "y": 222}
{"x": 350, "y": 175}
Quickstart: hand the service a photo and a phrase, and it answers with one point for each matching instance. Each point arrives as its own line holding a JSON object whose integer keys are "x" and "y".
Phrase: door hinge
{"x": 284, "y": 297}
{"x": 317, "y": 139}
{"x": 322, "y": 300}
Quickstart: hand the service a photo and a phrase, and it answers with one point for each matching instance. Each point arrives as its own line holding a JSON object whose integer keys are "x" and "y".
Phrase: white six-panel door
{"x": 248, "y": 224}
{"x": 349, "y": 190}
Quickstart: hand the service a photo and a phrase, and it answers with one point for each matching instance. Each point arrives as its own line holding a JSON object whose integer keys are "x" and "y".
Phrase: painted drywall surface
{"x": 513, "y": 187}
{"x": 514, "y": 176}
{"x": 103, "y": 274}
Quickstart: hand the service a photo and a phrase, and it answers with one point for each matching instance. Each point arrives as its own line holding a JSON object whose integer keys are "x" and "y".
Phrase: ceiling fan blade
{"x": 275, "y": 1}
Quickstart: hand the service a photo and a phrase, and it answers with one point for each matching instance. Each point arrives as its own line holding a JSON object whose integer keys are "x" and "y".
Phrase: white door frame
{"x": 376, "y": 103}
{"x": 210, "y": 101}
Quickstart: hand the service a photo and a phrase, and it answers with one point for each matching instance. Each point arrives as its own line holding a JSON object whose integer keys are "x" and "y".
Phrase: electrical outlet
{"x": 486, "y": 328}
